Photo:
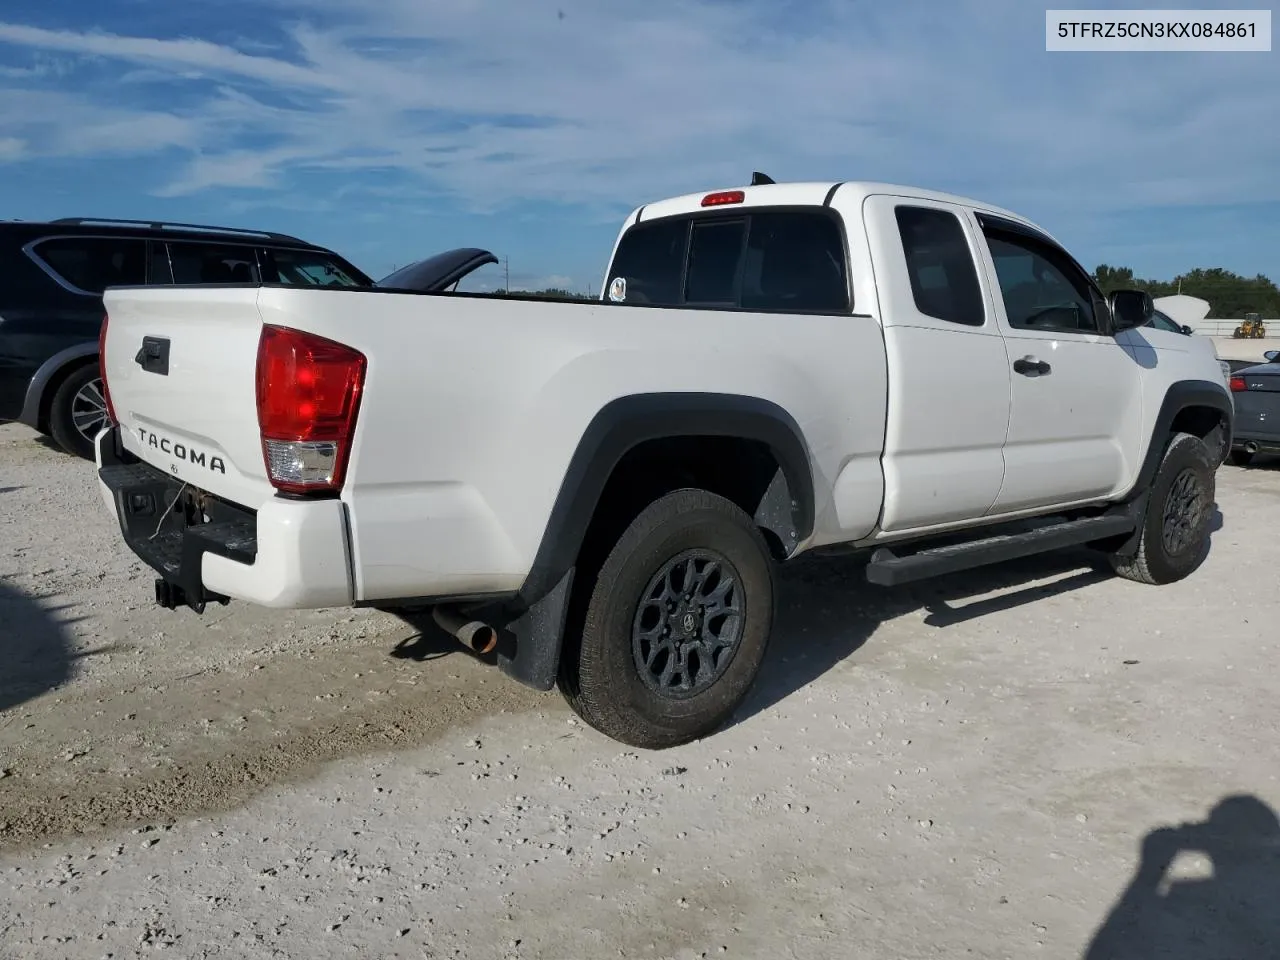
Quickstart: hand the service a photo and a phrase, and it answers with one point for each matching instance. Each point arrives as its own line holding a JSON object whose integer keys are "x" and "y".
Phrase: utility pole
{"x": 506, "y": 271}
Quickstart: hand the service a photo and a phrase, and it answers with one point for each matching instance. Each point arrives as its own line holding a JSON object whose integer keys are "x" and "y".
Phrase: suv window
{"x": 306, "y": 268}
{"x": 196, "y": 263}
{"x": 944, "y": 280}
{"x": 91, "y": 264}
{"x": 1041, "y": 287}
{"x": 650, "y": 258}
{"x": 792, "y": 261}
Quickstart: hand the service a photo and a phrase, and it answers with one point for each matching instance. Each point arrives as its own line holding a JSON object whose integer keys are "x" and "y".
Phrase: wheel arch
{"x": 629, "y": 423}
{"x": 1198, "y": 407}
{"x": 48, "y": 377}
{"x": 785, "y": 512}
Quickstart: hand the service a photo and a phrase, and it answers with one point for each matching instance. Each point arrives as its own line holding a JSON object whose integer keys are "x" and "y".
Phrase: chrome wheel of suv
{"x": 89, "y": 410}
{"x": 78, "y": 411}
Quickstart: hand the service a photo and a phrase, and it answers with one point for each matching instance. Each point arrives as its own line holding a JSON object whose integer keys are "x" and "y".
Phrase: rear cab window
{"x": 760, "y": 259}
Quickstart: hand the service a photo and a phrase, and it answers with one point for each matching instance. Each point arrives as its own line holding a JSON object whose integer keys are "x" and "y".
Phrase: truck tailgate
{"x": 180, "y": 366}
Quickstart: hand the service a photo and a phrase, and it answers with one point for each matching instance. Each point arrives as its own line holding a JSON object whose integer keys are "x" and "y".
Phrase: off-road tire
{"x": 1181, "y": 497}
{"x": 600, "y": 673}
{"x": 61, "y": 421}
{"x": 1240, "y": 458}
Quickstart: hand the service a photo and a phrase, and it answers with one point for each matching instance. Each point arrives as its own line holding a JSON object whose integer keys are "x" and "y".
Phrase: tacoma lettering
{"x": 181, "y": 451}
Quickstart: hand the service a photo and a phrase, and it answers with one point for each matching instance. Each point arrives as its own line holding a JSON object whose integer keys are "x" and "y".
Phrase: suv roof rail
{"x": 165, "y": 225}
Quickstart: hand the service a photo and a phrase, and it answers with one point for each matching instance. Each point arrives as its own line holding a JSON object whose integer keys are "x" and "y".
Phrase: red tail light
{"x": 102, "y": 369}
{"x": 308, "y": 395}
{"x": 725, "y": 196}
{"x": 1237, "y": 385}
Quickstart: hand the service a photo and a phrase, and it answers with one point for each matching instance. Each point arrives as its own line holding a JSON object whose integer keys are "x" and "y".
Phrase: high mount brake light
{"x": 102, "y": 369}
{"x": 308, "y": 390}
{"x": 725, "y": 196}
{"x": 1237, "y": 385}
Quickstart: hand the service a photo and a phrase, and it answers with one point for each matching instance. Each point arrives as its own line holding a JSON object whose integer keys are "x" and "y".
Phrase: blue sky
{"x": 391, "y": 129}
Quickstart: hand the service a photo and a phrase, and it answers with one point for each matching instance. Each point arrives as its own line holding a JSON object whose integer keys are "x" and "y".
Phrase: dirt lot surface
{"x": 1032, "y": 760}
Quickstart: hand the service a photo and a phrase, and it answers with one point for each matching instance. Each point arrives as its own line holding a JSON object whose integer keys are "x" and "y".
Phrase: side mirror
{"x": 1130, "y": 308}
{"x": 1186, "y": 330}
{"x": 1272, "y": 356}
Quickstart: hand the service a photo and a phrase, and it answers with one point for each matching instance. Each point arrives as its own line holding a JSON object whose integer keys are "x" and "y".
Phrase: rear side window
{"x": 944, "y": 280}
{"x": 197, "y": 263}
{"x": 304, "y": 268}
{"x": 650, "y": 258}
{"x": 91, "y": 264}
{"x": 786, "y": 260}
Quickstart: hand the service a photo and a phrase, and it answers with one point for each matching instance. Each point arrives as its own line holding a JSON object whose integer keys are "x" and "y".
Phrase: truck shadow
{"x": 827, "y": 611}
{"x": 1229, "y": 907}
{"x": 35, "y": 649}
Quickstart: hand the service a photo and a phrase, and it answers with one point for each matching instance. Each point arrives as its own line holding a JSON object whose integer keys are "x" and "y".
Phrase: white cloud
{"x": 494, "y": 101}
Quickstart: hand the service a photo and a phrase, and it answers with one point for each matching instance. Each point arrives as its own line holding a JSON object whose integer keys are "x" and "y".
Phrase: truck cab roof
{"x": 815, "y": 193}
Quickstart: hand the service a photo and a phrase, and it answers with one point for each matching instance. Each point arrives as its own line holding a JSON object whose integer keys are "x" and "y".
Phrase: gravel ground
{"x": 1032, "y": 760}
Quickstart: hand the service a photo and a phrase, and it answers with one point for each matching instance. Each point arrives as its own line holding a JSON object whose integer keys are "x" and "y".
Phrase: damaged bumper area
{"x": 288, "y": 553}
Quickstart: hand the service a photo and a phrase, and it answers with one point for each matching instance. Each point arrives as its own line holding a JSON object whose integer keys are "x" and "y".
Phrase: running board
{"x": 887, "y": 569}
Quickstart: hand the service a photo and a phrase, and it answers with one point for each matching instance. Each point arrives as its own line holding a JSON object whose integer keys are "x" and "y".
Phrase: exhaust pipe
{"x": 476, "y": 635}
{"x": 1251, "y": 447}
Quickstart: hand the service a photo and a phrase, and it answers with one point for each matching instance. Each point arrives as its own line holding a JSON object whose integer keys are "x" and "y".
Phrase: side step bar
{"x": 887, "y": 569}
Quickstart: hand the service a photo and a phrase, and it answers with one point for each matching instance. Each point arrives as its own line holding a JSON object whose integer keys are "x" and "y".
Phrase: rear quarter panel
{"x": 474, "y": 406}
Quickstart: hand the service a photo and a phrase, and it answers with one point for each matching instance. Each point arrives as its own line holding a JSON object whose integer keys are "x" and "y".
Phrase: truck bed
{"x": 473, "y": 407}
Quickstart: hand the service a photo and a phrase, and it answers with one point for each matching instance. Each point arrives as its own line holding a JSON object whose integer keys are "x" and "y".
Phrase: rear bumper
{"x": 288, "y": 553}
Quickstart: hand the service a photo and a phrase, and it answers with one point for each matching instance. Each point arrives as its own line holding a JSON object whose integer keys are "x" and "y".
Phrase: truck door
{"x": 1076, "y": 392}
{"x": 949, "y": 376}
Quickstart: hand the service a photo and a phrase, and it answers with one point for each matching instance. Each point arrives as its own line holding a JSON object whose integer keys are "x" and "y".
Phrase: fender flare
{"x": 1181, "y": 395}
{"x": 539, "y": 610}
{"x": 46, "y": 373}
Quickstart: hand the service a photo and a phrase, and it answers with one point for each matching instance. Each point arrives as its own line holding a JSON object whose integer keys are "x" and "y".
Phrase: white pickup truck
{"x": 597, "y": 493}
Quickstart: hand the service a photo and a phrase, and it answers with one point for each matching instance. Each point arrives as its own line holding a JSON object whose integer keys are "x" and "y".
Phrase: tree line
{"x": 1230, "y": 295}
{"x": 550, "y": 293}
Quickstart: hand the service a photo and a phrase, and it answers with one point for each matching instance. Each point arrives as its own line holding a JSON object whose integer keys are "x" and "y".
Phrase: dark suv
{"x": 51, "y": 280}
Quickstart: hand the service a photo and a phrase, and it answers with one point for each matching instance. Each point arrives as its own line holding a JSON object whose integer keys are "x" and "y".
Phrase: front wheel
{"x": 677, "y": 623}
{"x": 1175, "y": 526}
{"x": 78, "y": 412}
{"x": 1240, "y": 458}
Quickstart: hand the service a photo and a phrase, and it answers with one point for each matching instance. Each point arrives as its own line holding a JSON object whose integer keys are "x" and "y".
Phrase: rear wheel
{"x": 677, "y": 623}
{"x": 1240, "y": 458}
{"x": 1175, "y": 526}
{"x": 78, "y": 411}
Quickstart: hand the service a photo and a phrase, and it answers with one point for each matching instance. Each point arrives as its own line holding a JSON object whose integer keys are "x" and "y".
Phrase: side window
{"x": 1042, "y": 289}
{"x": 944, "y": 280}
{"x": 91, "y": 264}
{"x": 795, "y": 261}
{"x": 196, "y": 263}
{"x": 160, "y": 271}
{"x": 650, "y": 258}
{"x": 715, "y": 254}
{"x": 304, "y": 268}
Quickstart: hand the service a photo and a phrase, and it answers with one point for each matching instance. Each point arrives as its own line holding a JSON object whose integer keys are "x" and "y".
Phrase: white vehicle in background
{"x": 600, "y": 491}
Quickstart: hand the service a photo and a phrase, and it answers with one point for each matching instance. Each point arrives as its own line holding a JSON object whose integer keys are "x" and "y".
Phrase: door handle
{"x": 1031, "y": 367}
